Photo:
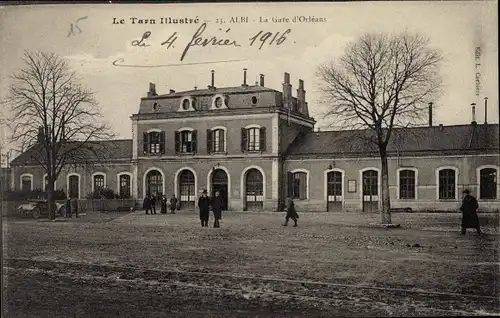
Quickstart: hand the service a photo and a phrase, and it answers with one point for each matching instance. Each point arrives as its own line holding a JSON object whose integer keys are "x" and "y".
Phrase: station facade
{"x": 257, "y": 145}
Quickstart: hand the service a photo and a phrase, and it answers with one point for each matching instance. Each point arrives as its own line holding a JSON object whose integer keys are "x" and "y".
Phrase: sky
{"x": 95, "y": 42}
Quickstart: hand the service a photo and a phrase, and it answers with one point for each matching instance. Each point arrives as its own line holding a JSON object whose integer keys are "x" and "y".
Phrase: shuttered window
{"x": 154, "y": 142}
{"x": 253, "y": 139}
{"x": 215, "y": 140}
{"x": 185, "y": 141}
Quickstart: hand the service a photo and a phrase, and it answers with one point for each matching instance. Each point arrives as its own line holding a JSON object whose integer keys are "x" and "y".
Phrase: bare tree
{"x": 382, "y": 82}
{"x": 54, "y": 116}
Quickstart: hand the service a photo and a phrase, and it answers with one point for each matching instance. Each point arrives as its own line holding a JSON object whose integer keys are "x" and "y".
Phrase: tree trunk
{"x": 51, "y": 199}
{"x": 385, "y": 194}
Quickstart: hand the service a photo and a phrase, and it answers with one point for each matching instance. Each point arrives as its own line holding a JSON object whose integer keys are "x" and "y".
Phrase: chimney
{"x": 301, "y": 96}
{"x": 172, "y": 91}
{"x": 213, "y": 79}
{"x": 262, "y": 80}
{"x": 287, "y": 92}
{"x": 41, "y": 135}
{"x": 485, "y": 110}
{"x": 152, "y": 90}
{"x": 244, "y": 77}
{"x": 473, "y": 113}
{"x": 430, "y": 114}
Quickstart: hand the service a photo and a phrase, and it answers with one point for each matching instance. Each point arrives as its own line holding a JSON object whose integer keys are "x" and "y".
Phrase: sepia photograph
{"x": 292, "y": 159}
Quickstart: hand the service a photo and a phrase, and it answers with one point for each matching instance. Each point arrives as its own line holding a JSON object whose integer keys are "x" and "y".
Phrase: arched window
{"x": 488, "y": 183}
{"x": 26, "y": 182}
{"x": 447, "y": 180}
{"x": 334, "y": 183}
{"x": 154, "y": 183}
{"x": 407, "y": 184}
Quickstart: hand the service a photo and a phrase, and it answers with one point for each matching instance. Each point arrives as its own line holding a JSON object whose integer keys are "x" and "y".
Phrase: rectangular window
{"x": 125, "y": 186}
{"x": 299, "y": 186}
{"x": 186, "y": 142}
{"x": 154, "y": 142}
{"x": 98, "y": 182}
{"x": 407, "y": 184}
{"x": 447, "y": 184}
{"x": 253, "y": 139}
{"x": 218, "y": 140}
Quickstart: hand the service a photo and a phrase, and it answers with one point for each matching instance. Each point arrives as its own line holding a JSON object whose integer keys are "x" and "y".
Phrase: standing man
{"x": 68, "y": 207}
{"x": 291, "y": 213}
{"x": 163, "y": 209}
{"x": 217, "y": 206}
{"x": 469, "y": 213}
{"x": 146, "y": 205}
{"x": 173, "y": 204}
{"x": 74, "y": 206}
{"x": 153, "y": 204}
{"x": 204, "y": 206}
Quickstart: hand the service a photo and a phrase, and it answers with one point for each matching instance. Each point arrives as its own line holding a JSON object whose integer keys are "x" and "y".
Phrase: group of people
{"x": 206, "y": 203}
{"x": 150, "y": 201}
{"x": 469, "y": 209}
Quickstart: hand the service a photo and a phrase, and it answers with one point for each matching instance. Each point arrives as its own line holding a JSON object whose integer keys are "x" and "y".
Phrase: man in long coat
{"x": 469, "y": 213}
{"x": 204, "y": 206}
{"x": 146, "y": 205}
{"x": 217, "y": 205}
{"x": 291, "y": 213}
{"x": 173, "y": 204}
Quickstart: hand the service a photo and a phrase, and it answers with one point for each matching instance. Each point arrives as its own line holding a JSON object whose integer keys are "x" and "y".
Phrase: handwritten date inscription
{"x": 199, "y": 39}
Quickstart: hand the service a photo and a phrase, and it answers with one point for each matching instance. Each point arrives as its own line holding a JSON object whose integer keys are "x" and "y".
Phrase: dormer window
{"x": 156, "y": 106}
{"x": 154, "y": 142}
{"x": 187, "y": 104}
{"x": 219, "y": 101}
{"x": 254, "y": 100}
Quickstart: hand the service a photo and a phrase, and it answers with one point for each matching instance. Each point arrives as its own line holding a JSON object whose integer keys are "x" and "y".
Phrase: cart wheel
{"x": 36, "y": 213}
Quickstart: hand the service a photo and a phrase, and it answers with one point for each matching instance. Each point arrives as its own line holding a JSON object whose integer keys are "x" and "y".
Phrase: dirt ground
{"x": 137, "y": 265}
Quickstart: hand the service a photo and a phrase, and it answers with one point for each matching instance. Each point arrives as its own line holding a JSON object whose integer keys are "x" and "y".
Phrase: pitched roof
{"x": 93, "y": 150}
{"x": 410, "y": 140}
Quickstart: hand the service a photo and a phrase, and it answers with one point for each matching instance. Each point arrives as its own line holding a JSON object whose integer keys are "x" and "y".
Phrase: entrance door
{"x": 220, "y": 183}
{"x": 74, "y": 186}
{"x": 370, "y": 191}
{"x": 187, "y": 190}
{"x": 334, "y": 191}
{"x": 254, "y": 188}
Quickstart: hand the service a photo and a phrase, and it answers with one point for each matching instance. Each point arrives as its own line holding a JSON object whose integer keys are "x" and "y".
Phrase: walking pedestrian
{"x": 173, "y": 204}
{"x": 217, "y": 206}
{"x": 291, "y": 213}
{"x": 146, "y": 205}
{"x": 74, "y": 207}
{"x": 469, "y": 213}
{"x": 163, "y": 209}
{"x": 204, "y": 206}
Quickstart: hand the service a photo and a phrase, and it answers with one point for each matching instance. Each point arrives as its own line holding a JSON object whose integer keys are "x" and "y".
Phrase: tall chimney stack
{"x": 213, "y": 79}
{"x": 485, "y": 110}
{"x": 301, "y": 96}
{"x": 473, "y": 113}
{"x": 287, "y": 92}
{"x": 152, "y": 89}
{"x": 430, "y": 114}
{"x": 244, "y": 77}
{"x": 261, "y": 79}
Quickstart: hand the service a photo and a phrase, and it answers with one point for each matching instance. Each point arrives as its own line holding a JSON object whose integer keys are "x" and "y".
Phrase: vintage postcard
{"x": 250, "y": 159}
